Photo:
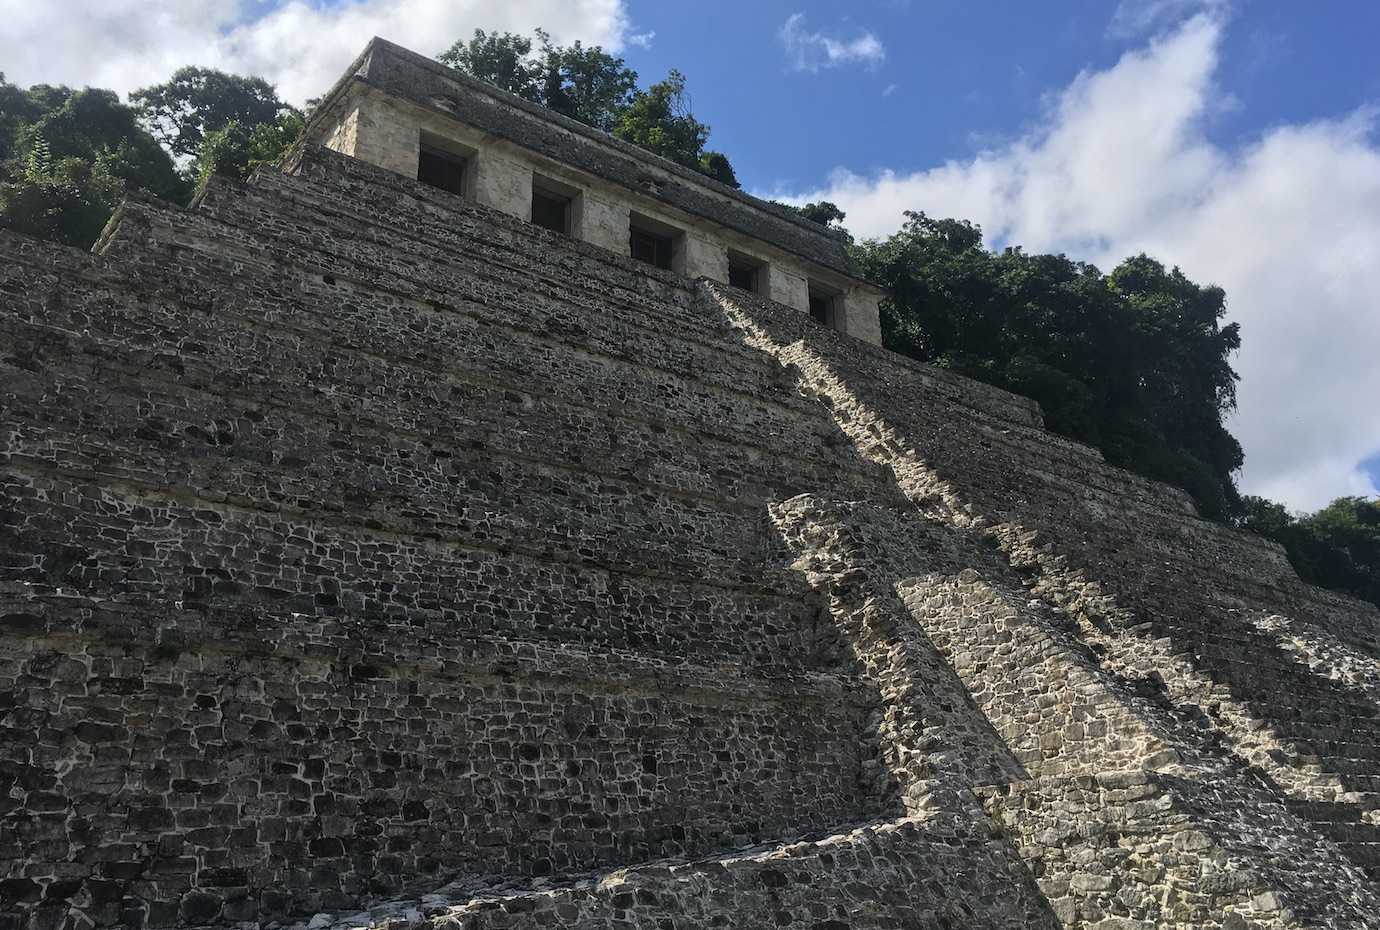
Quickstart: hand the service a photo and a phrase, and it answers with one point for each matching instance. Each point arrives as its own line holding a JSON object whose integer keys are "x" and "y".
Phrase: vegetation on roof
{"x": 588, "y": 84}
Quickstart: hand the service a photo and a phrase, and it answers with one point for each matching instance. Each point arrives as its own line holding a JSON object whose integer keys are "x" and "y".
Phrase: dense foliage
{"x": 197, "y": 101}
{"x": 1337, "y": 547}
{"x": 587, "y": 84}
{"x": 67, "y": 159}
{"x": 823, "y": 212}
{"x": 1135, "y": 363}
{"x": 226, "y": 124}
{"x": 236, "y": 148}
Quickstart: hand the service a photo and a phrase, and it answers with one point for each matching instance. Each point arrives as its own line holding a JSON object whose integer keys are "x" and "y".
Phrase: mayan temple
{"x": 478, "y": 522}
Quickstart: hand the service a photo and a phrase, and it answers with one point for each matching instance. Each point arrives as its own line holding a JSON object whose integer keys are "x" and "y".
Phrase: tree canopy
{"x": 1337, "y": 547}
{"x": 588, "y": 84}
{"x": 823, "y": 212}
{"x": 504, "y": 59}
{"x": 659, "y": 120}
{"x": 196, "y": 101}
{"x": 582, "y": 82}
{"x": 236, "y": 148}
{"x": 1135, "y": 363}
{"x": 67, "y": 159}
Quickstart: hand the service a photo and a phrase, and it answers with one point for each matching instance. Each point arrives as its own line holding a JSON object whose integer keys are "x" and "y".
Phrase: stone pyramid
{"x": 371, "y": 556}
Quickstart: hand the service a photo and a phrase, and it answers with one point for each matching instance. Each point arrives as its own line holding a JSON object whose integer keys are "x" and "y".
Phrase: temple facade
{"x": 410, "y": 114}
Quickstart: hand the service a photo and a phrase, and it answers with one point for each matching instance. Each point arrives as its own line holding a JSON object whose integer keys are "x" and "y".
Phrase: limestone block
{"x": 704, "y": 257}
{"x": 344, "y": 138}
{"x": 504, "y": 183}
{"x": 385, "y": 137}
{"x": 604, "y": 223}
{"x": 862, "y": 318}
{"x": 787, "y": 286}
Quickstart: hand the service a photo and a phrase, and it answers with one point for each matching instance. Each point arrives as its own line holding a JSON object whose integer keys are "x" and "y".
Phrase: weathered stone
{"x": 360, "y": 542}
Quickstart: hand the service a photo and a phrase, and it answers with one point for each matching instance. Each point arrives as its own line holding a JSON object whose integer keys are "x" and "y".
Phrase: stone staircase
{"x": 358, "y": 541}
{"x": 937, "y": 870}
{"x": 1003, "y": 568}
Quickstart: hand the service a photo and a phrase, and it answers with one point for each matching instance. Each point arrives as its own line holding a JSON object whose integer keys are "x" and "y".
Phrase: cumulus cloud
{"x": 1289, "y": 224}
{"x": 300, "y": 46}
{"x": 810, "y": 51}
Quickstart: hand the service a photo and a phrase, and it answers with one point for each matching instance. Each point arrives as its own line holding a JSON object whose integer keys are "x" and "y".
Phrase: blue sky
{"x": 1234, "y": 138}
{"x": 967, "y": 75}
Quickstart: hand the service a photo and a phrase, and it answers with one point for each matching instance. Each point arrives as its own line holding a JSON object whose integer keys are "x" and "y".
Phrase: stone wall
{"x": 395, "y": 98}
{"x": 938, "y": 870}
{"x": 377, "y": 556}
{"x": 407, "y": 76}
{"x": 1047, "y": 580}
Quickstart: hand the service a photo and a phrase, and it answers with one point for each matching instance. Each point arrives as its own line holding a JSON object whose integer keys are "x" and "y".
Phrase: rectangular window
{"x": 653, "y": 246}
{"x": 745, "y": 272}
{"x": 557, "y": 206}
{"x": 826, "y": 306}
{"x": 442, "y": 169}
{"x": 551, "y": 210}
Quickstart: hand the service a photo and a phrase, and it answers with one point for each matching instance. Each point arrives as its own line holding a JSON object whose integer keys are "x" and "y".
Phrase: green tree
{"x": 659, "y": 120}
{"x": 588, "y": 84}
{"x": 90, "y": 123}
{"x": 585, "y": 83}
{"x": 69, "y": 159}
{"x": 823, "y": 212}
{"x": 66, "y": 200}
{"x": 582, "y": 82}
{"x": 503, "y": 59}
{"x": 196, "y": 101}
{"x": 1337, "y": 547}
{"x": 17, "y": 107}
{"x": 1186, "y": 384}
{"x": 717, "y": 166}
{"x": 1135, "y": 363}
{"x": 236, "y": 150}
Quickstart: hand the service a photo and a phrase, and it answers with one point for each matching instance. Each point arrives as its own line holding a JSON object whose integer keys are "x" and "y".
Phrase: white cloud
{"x": 1136, "y": 18}
{"x": 888, "y": 90}
{"x": 810, "y": 51}
{"x": 1289, "y": 225}
{"x": 300, "y": 46}
{"x": 641, "y": 39}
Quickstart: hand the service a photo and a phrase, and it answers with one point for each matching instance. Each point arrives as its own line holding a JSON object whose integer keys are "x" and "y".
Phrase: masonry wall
{"x": 1152, "y": 735}
{"x": 387, "y": 130}
{"x": 373, "y": 555}
{"x": 932, "y": 871}
{"x": 379, "y": 555}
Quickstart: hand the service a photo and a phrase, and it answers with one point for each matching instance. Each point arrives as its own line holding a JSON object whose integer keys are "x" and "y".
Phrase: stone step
{"x": 461, "y": 226}
{"x": 144, "y": 542}
{"x": 566, "y": 425}
{"x": 480, "y": 257}
{"x": 645, "y": 391}
{"x": 873, "y": 877}
{"x": 283, "y": 367}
